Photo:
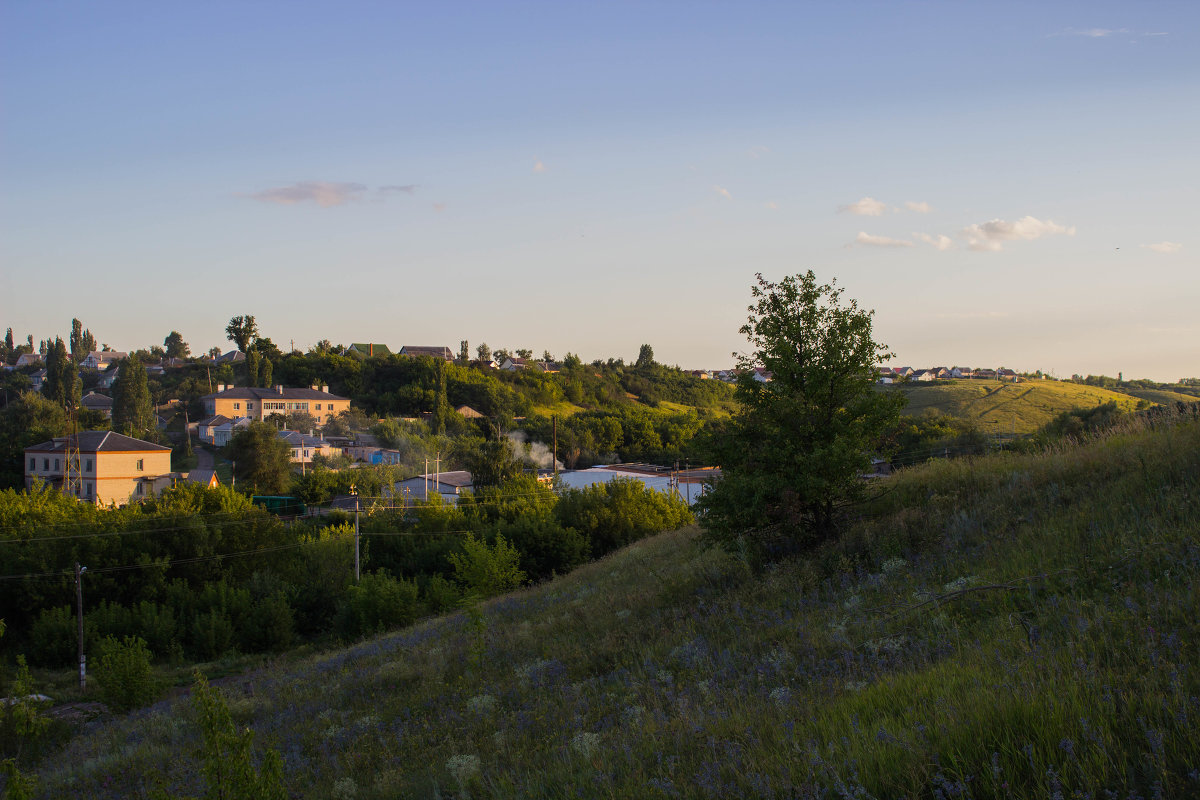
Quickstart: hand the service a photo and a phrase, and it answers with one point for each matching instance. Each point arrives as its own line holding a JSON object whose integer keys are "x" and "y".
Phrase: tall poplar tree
{"x": 132, "y": 413}
{"x": 59, "y": 385}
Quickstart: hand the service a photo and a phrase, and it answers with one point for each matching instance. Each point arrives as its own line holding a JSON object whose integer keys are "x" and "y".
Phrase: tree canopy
{"x": 261, "y": 459}
{"x": 242, "y": 330}
{"x": 793, "y": 456}
{"x": 175, "y": 346}
{"x": 132, "y": 413}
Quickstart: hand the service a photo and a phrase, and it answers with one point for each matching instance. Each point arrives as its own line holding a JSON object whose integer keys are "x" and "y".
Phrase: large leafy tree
{"x": 793, "y": 456}
{"x": 132, "y": 412}
{"x": 28, "y": 420}
{"x": 242, "y": 330}
{"x": 261, "y": 459}
{"x": 175, "y": 346}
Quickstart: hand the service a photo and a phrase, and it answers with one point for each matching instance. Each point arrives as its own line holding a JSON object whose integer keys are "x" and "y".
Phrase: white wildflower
{"x": 463, "y": 767}
{"x": 344, "y": 789}
{"x": 585, "y": 743}
{"x": 481, "y": 704}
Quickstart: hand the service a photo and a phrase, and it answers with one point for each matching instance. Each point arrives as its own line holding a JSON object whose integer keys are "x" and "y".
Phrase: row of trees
{"x": 289, "y": 581}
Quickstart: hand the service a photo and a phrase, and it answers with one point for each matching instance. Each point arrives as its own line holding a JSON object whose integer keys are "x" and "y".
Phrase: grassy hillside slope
{"x": 1007, "y": 407}
{"x": 1008, "y": 627}
{"x": 1160, "y": 396}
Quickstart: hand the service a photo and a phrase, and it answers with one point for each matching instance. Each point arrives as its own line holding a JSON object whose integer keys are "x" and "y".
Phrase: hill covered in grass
{"x": 1004, "y": 627}
{"x": 1007, "y": 408}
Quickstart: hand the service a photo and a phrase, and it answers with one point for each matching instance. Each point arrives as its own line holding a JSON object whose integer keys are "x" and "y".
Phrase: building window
{"x": 89, "y": 465}
{"x": 249, "y": 406}
{"x": 141, "y": 465}
{"x": 238, "y": 406}
{"x": 45, "y": 465}
{"x": 32, "y": 464}
{"x": 141, "y": 489}
{"x": 56, "y": 465}
{"x": 318, "y": 406}
{"x": 89, "y": 490}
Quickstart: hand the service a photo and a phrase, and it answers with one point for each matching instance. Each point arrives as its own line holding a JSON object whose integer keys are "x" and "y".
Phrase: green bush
{"x": 157, "y": 625}
{"x": 270, "y": 626}
{"x": 212, "y": 634}
{"x": 441, "y": 594}
{"x": 619, "y": 512}
{"x": 124, "y": 674}
{"x": 54, "y": 638}
{"x": 546, "y": 547}
{"x": 487, "y": 571}
{"x": 377, "y": 603}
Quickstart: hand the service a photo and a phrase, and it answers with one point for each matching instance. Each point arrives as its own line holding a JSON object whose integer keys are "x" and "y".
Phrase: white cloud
{"x": 1093, "y": 33}
{"x": 408, "y": 188}
{"x": 538, "y": 166}
{"x": 866, "y": 207}
{"x": 992, "y": 234}
{"x": 1164, "y": 247}
{"x": 771, "y": 205}
{"x": 941, "y": 241}
{"x": 323, "y": 193}
{"x": 721, "y": 190}
{"x": 920, "y": 207}
{"x": 881, "y": 241}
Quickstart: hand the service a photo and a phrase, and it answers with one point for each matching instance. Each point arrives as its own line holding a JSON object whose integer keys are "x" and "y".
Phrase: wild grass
{"x": 1007, "y": 408}
{"x": 1004, "y": 627}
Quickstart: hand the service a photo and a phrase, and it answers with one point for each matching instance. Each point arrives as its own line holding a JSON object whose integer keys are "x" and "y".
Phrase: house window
{"x": 45, "y": 465}
{"x": 306, "y": 454}
{"x": 249, "y": 406}
{"x": 89, "y": 490}
{"x": 318, "y": 406}
{"x": 237, "y": 406}
{"x": 89, "y": 465}
{"x": 141, "y": 465}
{"x": 141, "y": 489}
{"x": 32, "y": 464}
{"x": 56, "y": 465}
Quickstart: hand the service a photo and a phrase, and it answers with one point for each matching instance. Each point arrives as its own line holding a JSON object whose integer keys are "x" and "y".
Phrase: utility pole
{"x": 79, "y": 570}
{"x": 426, "y": 479}
{"x": 554, "y": 454}
{"x": 354, "y": 494}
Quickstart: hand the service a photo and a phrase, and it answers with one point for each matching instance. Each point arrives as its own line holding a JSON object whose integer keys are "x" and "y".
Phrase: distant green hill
{"x": 1160, "y": 396}
{"x": 1006, "y": 408}
{"x": 1003, "y": 627}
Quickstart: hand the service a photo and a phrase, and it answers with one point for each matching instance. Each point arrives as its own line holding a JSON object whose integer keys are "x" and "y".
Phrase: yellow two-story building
{"x": 258, "y": 404}
{"x": 99, "y": 466}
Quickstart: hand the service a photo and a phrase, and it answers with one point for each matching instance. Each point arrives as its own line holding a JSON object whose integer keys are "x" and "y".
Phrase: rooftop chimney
{"x": 279, "y": 388}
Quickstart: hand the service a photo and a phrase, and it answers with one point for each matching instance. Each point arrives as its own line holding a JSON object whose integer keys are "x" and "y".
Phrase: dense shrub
{"x": 485, "y": 570}
{"x": 440, "y": 594}
{"x": 377, "y": 603}
{"x": 270, "y": 625}
{"x": 124, "y": 674}
{"x": 618, "y": 512}
{"x": 212, "y": 634}
{"x": 546, "y": 548}
{"x": 53, "y": 639}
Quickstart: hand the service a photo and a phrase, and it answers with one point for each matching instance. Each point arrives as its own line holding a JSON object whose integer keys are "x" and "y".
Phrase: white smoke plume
{"x": 531, "y": 451}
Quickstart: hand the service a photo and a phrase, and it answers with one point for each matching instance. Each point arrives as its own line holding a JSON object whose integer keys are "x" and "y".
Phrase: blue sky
{"x": 1004, "y": 183}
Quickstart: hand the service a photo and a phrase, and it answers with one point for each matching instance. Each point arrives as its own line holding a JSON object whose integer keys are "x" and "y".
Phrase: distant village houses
{"x": 260, "y": 403}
